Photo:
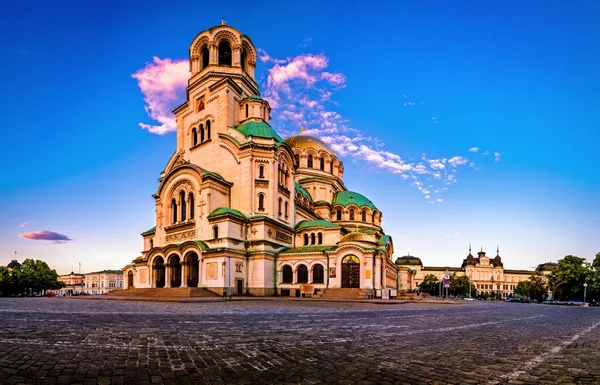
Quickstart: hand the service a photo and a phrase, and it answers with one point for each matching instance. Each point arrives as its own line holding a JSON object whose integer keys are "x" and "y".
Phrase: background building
{"x": 74, "y": 284}
{"x": 487, "y": 274}
{"x": 102, "y": 282}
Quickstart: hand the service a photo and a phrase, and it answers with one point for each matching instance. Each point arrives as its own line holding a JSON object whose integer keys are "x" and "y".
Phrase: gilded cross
{"x": 302, "y": 129}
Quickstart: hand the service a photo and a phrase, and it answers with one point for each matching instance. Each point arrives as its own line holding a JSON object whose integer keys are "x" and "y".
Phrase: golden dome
{"x": 305, "y": 142}
{"x": 358, "y": 237}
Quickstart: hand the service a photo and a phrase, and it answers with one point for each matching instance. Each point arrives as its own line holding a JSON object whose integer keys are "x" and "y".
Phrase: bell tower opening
{"x": 224, "y": 53}
{"x": 243, "y": 60}
{"x": 205, "y": 56}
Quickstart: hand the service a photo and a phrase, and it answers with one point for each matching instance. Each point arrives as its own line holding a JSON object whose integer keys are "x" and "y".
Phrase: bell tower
{"x": 222, "y": 63}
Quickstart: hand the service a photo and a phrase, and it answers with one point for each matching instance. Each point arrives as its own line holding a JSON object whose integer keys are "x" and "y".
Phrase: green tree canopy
{"x": 593, "y": 290}
{"x": 566, "y": 281}
{"x": 459, "y": 285}
{"x": 429, "y": 285}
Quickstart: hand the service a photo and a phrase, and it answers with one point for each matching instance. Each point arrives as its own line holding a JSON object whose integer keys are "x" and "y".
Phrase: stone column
{"x": 184, "y": 270}
{"x": 236, "y": 53}
{"x": 199, "y": 272}
{"x": 213, "y": 54}
{"x": 167, "y": 276}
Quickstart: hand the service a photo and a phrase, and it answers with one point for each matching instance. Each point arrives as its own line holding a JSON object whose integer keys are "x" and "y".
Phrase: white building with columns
{"x": 239, "y": 207}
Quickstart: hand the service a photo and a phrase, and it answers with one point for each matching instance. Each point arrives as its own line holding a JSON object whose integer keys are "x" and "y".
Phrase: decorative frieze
{"x": 281, "y": 236}
{"x": 190, "y": 234}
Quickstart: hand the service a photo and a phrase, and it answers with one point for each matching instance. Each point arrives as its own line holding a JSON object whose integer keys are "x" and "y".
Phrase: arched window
{"x": 287, "y": 211}
{"x": 224, "y": 53}
{"x": 261, "y": 202}
{"x": 208, "y": 129}
{"x": 322, "y": 165}
{"x": 201, "y": 134}
{"x": 194, "y": 137}
{"x": 279, "y": 206}
{"x": 174, "y": 208}
{"x": 339, "y": 215}
{"x": 364, "y": 216}
{"x": 305, "y": 239}
{"x": 215, "y": 232}
{"x": 320, "y": 238}
{"x": 352, "y": 214}
{"x": 151, "y": 243}
{"x": 183, "y": 205}
{"x": 331, "y": 167}
{"x": 310, "y": 162}
{"x": 318, "y": 276}
{"x": 287, "y": 276}
{"x": 261, "y": 171}
{"x": 191, "y": 200}
{"x": 297, "y": 158}
{"x": 312, "y": 238}
{"x": 243, "y": 59}
{"x": 302, "y": 274}
{"x": 205, "y": 57}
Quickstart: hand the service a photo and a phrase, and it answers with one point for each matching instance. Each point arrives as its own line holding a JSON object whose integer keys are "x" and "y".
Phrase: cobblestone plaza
{"x": 52, "y": 340}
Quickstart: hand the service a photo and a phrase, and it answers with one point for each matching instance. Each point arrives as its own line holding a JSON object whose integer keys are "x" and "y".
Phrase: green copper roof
{"x": 316, "y": 223}
{"x": 214, "y": 174}
{"x": 224, "y": 211}
{"x": 259, "y": 129}
{"x": 201, "y": 245}
{"x": 346, "y": 198}
{"x": 303, "y": 191}
{"x": 309, "y": 249}
{"x": 255, "y": 97}
{"x": 149, "y": 231}
{"x": 384, "y": 240}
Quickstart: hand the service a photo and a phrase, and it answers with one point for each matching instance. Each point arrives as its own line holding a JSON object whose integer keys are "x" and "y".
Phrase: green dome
{"x": 346, "y": 198}
{"x": 303, "y": 191}
{"x": 260, "y": 130}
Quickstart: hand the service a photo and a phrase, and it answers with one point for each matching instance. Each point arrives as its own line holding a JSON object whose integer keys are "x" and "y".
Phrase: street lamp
{"x": 584, "y": 291}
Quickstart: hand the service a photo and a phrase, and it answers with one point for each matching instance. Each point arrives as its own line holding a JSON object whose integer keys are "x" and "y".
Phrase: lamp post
{"x": 492, "y": 280}
{"x": 584, "y": 291}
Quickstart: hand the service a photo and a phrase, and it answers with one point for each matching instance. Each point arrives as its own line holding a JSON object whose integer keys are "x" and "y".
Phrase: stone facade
{"x": 487, "y": 274}
{"x": 238, "y": 208}
{"x": 74, "y": 284}
{"x": 102, "y": 282}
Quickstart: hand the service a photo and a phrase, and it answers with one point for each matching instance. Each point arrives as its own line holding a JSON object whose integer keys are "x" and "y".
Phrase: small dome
{"x": 346, "y": 198}
{"x": 358, "y": 237}
{"x": 305, "y": 142}
{"x": 258, "y": 129}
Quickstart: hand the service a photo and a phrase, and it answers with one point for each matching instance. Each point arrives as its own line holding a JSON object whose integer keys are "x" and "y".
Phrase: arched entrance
{"x": 158, "y": 269}
{"x": 350, "y": 272}
{"x": 191, "y": 261}
{"x": 130, "y": 279}
{"x": 175, "y": 276}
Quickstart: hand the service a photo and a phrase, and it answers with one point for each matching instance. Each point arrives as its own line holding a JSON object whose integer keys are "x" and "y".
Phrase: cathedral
{"x": 241, "y": 210}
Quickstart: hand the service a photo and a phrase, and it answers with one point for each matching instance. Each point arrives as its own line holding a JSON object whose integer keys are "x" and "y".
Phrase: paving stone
{"x": 309, "y": 342}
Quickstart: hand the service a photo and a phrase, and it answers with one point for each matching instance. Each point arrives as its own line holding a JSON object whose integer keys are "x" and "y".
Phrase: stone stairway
{"x": 185, "y": 292}
{"x": 344, "y": 294}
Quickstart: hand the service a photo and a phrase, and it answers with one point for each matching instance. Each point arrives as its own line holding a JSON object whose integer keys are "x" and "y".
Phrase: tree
{"x": 429, "y": 285}
{"x": 522, "y": 289}
{"x": 537, "y": 288}
{"x": 459, "y": 285}
{"x": 37, "y": 276}
{"x": 5, "y": 282}
{"x": 593, "y": 290}
{"x": 567, "y": 279}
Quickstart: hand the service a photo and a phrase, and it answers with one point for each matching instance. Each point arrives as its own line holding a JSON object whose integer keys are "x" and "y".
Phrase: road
{"x": 66, "y": 341}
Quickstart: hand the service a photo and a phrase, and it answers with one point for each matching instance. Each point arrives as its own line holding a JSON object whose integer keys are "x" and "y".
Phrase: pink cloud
{"x": 44, "y": 235}
{"x": 163, "y": 84}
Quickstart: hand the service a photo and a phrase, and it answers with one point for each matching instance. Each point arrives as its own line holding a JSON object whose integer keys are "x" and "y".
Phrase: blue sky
{"x": 409, "y": 83}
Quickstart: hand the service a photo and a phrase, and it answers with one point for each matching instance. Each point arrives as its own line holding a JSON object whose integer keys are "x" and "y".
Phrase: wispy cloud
{"x": 306, "y": 42}
{"x": 497, "y": 156}
{"x": 44, "y": 235}
{"x": 474, "y": 149}
{"x": 163, "y": 84}
{"x": 300, "y": 90}
{"x": 22, "y": 225}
